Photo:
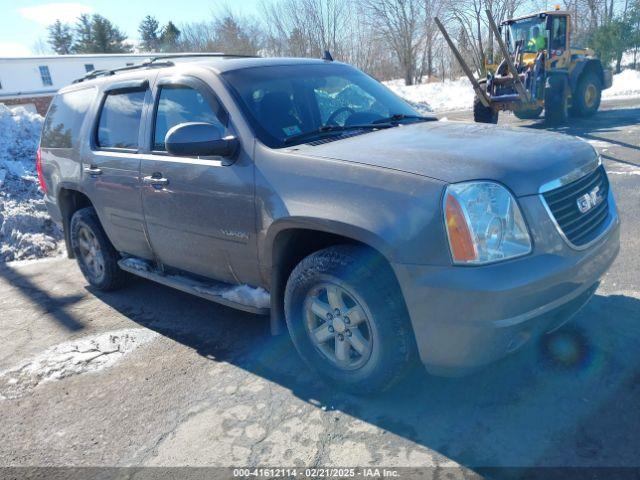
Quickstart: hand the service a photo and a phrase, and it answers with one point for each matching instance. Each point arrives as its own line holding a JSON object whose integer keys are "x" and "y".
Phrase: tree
{"x": 235, "y": 35}
{"x": 82, "y": 35}
{"x": 610, "y": 42}
{"x": 60, "y": 38}
{"x": 106, "y": 37}
{"x": 169, "y": 37}
{"x": 401, "y": 24}
{"x": 149, "y": 30}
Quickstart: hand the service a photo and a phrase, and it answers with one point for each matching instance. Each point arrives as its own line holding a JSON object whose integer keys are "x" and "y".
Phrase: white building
{"x": 32, "y": 81}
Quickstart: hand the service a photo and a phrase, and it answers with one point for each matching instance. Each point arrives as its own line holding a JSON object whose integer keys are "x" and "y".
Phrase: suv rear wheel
{"x": 96, "y": 257}
{"x": 347, "y": 319}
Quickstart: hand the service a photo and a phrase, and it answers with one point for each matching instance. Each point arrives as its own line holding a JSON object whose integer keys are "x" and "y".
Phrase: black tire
{"x": 556, "y": 101}
{"x": 528, "y": 114}
{"x": 586, "y": 98}
{"x": 85, "y": 227}
{"x": 368, "y": 280}
{"x": 482, "y": 114}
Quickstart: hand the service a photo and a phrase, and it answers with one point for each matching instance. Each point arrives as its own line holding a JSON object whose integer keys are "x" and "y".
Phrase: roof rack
{"x": 157, "y": 61}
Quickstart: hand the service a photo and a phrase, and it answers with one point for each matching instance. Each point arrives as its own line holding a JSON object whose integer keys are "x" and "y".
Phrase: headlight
{"x": 484, "y": 223}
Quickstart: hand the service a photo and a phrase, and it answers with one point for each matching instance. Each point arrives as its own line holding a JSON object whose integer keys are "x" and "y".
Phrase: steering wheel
{"x": 332, "y": 118}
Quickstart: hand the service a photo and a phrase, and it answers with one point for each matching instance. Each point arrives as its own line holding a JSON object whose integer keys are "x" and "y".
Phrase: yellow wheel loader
{"x": 539, "y": 71}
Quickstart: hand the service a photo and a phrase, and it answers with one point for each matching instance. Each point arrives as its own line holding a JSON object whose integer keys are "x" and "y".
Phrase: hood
{"x": 522, "y": 159}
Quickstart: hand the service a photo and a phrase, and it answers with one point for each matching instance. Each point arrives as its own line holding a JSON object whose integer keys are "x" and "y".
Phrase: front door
{"x": 199, "y": 212}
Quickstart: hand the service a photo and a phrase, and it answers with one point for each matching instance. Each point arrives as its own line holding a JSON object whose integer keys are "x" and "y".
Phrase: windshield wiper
{"x": 333, "y": 129}
{"x": 401, "y": 116}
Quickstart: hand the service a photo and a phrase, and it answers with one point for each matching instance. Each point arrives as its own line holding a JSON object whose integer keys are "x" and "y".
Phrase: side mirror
{"x": 198, "y": 139}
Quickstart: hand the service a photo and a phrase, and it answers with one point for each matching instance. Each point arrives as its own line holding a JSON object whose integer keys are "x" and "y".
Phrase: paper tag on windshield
{"x": 294, "y": 130}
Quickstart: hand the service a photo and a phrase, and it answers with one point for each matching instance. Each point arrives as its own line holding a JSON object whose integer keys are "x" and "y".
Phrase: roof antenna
{"x": 327, "y": 56}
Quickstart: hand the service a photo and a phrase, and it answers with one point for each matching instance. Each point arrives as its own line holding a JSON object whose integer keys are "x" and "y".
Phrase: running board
{"x": 214, "y": 291}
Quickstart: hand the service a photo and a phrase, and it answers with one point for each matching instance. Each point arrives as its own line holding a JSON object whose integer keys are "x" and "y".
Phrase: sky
{"x": 23, "y": 23}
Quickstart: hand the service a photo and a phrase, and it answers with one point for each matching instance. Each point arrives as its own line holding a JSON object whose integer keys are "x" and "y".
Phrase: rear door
{"x": 199, "y": 212}
{"x": 111, "y": 165}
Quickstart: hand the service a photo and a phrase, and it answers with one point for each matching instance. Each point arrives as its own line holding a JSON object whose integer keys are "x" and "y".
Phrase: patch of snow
{"x": 625, "y": 84}
{"x": 436, "y": 96}
{"x": 623, "y": 170}
{"x": 246, "y": 295}
{"x": 137, "y": 264}
{"x": 256, "y": 297}
{"x": 26, "y": 230}
{"x": 89, "y": 354}
{"x": 452, "y": 95}
{"x": 598, "y": 143}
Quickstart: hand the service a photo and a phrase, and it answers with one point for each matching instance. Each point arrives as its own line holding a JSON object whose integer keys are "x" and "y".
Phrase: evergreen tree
{"x": 107, "y": 38}
{"x": 610, "y": 42}
{"x": 82, "y": 35}
{"x": 169, "y": 37}
{"x": 149, "y": 34}
{"x": 60, "y": 38}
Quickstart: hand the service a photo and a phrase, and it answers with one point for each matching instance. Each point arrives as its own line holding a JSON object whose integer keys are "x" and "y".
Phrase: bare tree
{"x": 401, "y": 23}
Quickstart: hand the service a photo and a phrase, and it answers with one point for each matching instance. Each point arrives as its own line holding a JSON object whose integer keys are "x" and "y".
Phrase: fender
{"x": 324, "y": 225}
{"x": 581, "y": 67}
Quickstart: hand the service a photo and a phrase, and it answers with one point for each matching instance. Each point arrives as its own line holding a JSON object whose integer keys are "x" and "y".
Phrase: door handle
{"x": 155, "y": 180}
{"x": 92, "y": 170}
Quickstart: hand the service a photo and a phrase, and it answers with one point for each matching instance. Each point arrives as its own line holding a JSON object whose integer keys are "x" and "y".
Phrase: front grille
{"x": 580, "y": 228}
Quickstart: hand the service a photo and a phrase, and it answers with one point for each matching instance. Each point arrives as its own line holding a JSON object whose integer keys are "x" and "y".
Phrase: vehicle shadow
{"x": 568, "y": 400}
{"x": 591, "y": 128}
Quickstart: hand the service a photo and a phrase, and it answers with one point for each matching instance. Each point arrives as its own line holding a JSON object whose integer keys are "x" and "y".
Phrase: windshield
{"x": 288, "y": 101}
{"x": 531, "y": 32}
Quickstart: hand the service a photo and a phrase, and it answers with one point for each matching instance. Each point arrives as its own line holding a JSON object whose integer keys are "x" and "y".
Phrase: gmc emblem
{"x": 589, "y": 200}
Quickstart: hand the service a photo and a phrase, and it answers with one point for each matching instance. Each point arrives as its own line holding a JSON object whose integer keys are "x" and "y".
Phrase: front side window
{"x": 287, "y": 101}
{"x": 64, "y": 119}
{"x": 45, "y": 76}
{"x": 181, "y": 104}
{"x": 530, "y": 33}
{"x": 120, "y": 119}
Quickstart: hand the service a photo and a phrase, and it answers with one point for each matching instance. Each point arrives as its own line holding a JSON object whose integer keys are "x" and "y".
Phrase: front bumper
{"x": 467, "y": 317}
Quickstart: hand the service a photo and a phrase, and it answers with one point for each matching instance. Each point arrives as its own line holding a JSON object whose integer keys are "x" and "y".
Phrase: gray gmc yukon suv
{"x": 382, "y": 237}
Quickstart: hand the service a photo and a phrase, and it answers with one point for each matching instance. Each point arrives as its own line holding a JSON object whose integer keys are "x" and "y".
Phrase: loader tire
{"x": 556, "y": 105}
{"x": 482, "y": 114}
{"x": 586, "y": 98}
{"x": 528, "y": 114}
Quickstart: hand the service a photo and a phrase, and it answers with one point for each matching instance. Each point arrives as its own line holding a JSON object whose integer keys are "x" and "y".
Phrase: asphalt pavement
{"x": 208, "y": 386}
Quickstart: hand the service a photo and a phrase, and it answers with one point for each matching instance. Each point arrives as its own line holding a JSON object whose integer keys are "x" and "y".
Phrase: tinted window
{"x": 120, "y": 119}
{"x": 290, "y": 100}
{"x": 64, "y": 119}
{"x": 179, "y": 105}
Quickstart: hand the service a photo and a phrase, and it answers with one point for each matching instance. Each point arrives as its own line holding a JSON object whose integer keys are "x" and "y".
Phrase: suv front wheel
{"x": 96, "y": 257}
{"x": 347, "y": 319}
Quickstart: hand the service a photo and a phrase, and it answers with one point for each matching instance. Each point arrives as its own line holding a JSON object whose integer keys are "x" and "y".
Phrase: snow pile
{"x": 26, "y": 231}
{"x": 89, "y": 354}
{"x": 625, "y": 84}
{"x": 458, "y": 94}
{"x": 437, "y": 96}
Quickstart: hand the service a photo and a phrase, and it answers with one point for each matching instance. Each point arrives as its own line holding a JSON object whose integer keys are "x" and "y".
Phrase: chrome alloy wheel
{"x": 338, "y": 326}
{"x": 90, "y": 252}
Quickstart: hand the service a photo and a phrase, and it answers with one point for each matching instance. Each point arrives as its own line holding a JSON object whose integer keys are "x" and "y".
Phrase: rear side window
{"x": 64, "y": 119}
{"x": 120, "y": 119}
{"x": 181, "y": 104}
